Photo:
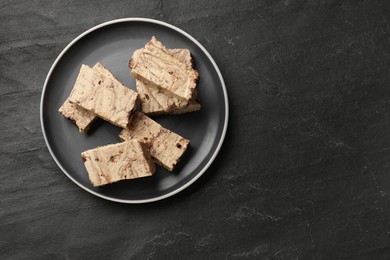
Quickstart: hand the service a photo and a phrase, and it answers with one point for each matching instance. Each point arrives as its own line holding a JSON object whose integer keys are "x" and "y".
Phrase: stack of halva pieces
{"x": 166, "y": 83}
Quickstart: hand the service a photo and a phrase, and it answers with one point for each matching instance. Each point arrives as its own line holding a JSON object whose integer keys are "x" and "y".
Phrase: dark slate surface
{"x": 304, "y": 172}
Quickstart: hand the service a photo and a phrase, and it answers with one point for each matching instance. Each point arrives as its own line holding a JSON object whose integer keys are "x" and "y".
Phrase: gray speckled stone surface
{"x": 304, "y": 172}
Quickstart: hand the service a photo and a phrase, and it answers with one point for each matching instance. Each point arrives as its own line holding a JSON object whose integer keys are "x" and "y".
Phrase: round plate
{"x": 112, "y": 44}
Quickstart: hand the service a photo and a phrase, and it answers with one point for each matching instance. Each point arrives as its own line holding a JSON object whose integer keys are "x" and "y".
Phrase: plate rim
{"x": 217, "y": 149}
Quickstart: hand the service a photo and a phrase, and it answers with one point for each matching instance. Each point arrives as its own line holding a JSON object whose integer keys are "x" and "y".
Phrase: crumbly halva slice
{"x": 82, "y": 118}
{"x": 154, "y": 65}
{"x": 166, "y": 147}
{"x": 104, "y": 95}
{"x": 154, "y": 101}
{"x": 115, "y": 162}
{"x": 149, "y": 103}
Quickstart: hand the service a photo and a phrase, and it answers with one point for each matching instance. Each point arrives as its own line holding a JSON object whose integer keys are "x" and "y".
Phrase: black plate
{"x": 112, "y": 44}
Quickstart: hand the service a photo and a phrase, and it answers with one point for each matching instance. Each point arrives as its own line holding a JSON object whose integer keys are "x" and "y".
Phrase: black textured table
{"x": 304, "y": 172}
